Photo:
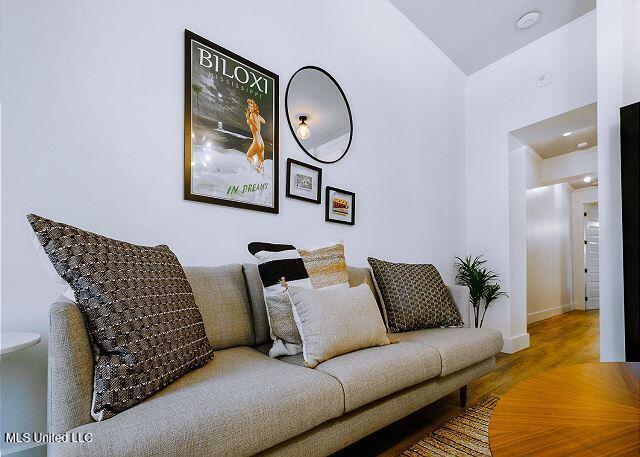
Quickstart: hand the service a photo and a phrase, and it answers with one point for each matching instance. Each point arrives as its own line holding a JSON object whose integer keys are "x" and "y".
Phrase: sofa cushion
{"x": 458, "y": 347}
{"x": 239, "y": 405}
{"x": 373, "y": 373}
{"x": 221, "y": 296}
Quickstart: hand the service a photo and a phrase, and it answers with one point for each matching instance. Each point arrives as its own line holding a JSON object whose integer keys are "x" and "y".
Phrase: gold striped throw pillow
{"x": 326, "y": 265}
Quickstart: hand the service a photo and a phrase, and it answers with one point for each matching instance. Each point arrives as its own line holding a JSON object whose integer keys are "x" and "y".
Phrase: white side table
{"x": 15, "y": 341}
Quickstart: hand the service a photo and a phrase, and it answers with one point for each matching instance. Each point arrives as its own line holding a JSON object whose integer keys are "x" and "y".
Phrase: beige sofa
{"x": 244, "y": 402}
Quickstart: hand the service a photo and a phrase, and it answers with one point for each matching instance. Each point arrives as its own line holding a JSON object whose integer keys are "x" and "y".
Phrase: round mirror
{"x": 319, "y": 114}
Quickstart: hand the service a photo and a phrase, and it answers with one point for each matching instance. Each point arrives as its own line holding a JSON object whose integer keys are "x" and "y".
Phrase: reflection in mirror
{"x": 319, "y": 114}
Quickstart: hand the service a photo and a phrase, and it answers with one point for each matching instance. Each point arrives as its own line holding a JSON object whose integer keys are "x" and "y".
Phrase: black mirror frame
{"x": 346, "y": 102}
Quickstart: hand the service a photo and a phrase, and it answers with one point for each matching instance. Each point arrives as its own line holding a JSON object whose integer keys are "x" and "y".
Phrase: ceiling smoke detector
{"x": 528, "y": 20}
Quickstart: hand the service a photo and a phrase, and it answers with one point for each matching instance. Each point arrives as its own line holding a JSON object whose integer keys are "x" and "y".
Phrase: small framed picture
{"x": 340, "y": 206}
{"x": 304, "y": 181}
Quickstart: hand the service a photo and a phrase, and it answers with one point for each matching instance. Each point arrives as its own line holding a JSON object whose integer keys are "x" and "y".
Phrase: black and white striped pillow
{"x": 280, "y": 266}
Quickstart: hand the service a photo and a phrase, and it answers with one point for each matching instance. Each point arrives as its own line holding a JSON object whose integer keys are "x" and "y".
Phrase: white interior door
{"x": 592, "y": 257}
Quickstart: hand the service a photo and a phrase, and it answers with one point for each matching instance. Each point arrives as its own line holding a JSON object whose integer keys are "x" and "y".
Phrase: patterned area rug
{"x": 464, "y": 435}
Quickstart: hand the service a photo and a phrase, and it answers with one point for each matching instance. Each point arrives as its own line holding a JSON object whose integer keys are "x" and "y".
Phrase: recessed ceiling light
{"x": 567, "y": 133}
{"x": 583, "y": 145}
{"x": 587, "y": 179}
{"x": 528, "y": 20}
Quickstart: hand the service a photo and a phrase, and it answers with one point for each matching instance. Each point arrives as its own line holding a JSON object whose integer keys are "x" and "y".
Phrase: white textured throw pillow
{"x": 334, "y": 321}
{"x": 280, "y": 266}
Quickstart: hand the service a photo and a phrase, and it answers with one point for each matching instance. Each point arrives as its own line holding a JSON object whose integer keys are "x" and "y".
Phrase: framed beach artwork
{"x": 230, "y": 127}
{"x": 304, "y": 181}
{"x": 340, "y": 206}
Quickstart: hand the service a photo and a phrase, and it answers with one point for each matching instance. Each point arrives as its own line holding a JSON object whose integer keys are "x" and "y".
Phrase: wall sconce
{"x": 303, "y": 131}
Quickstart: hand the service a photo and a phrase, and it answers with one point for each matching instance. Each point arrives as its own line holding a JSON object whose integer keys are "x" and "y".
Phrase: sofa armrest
{"x": 70, "y": 382}
{"x": 461, "y": 298}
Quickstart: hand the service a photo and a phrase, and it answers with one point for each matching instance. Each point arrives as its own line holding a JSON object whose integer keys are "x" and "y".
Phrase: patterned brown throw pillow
{"x": 139, "y": 309}
{"x": 414, "y": 296}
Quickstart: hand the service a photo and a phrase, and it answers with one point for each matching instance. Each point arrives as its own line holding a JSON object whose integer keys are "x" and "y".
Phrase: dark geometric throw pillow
{"x": 138, "y": 306}
{"x": 414, "y": 296}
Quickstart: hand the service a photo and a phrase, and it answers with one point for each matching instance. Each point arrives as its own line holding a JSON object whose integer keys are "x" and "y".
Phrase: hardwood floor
{"x": 567, "y": 339}
{"x": 551, "y": 414}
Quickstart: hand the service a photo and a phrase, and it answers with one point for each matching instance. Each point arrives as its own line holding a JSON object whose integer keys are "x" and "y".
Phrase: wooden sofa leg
{"x": 463, "y": 396}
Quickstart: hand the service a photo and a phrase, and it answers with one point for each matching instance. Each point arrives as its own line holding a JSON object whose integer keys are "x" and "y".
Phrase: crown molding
{"x": 418, "y": 37}
{"x": 588, "y": 17}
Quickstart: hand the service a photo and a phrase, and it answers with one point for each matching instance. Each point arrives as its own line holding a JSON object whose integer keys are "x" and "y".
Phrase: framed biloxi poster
{"x": 230, "y": 128}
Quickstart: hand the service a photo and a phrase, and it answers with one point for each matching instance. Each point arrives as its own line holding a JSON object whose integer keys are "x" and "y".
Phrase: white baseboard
{"x": 515, "y": 343}
{"x": 547, "y": 313}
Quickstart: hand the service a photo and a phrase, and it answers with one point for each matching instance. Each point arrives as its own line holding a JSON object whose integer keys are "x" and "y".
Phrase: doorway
{"x": 552, "y": 177}
{"x": 591, "y": 257}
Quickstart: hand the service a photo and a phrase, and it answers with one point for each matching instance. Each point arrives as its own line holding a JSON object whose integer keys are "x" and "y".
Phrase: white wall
{"x": 579, "y": 198}
{"x": 502, "y": 98}
{"x": 522, "y": 165}
{"x": 618, "y": 85}
{"x": 92, "y": 135}
{"x": 549, "y": 269}
{"x": 533, "y": 168}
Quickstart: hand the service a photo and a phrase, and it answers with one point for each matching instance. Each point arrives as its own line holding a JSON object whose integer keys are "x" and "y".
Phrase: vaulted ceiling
{"x": 476, "y": 33}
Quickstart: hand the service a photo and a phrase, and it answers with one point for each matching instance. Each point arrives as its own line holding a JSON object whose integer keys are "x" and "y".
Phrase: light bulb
{"x": 567, "y": 133}
{"x": 303, "y": 131}
{"x": 587, "y": 179}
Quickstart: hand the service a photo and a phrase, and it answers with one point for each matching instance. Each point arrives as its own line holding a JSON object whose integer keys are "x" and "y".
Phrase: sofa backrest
{"x": 256, "y": 302}
{"x": 221, "y": 295}
{"x": 357, "y": 276}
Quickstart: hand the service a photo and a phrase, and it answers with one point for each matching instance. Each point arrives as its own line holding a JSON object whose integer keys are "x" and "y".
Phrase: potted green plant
{"x": 483, "y": 285}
